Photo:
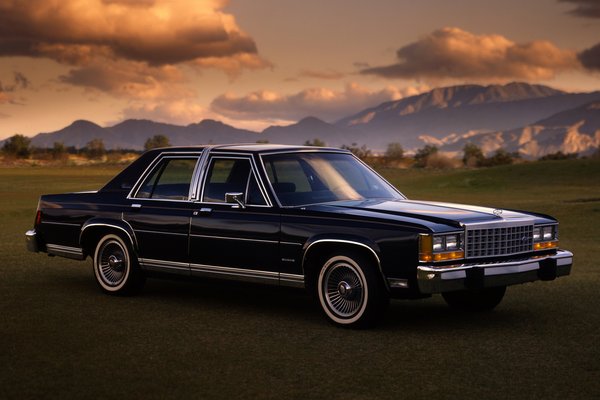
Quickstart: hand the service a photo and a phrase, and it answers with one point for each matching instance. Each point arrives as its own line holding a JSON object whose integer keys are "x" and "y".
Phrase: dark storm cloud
{"x": 584, "y": 8}
{"x": 590, "y": 58}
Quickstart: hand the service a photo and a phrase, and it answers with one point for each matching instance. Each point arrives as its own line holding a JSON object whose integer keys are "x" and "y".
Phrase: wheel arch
{"x": 317, "y": 248}
{"x": 95, "y": 228}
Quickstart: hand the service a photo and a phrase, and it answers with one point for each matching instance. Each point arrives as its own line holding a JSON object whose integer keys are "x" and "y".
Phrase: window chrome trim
{"x": 150, "y": 168}
{"x": 253, "y": 170}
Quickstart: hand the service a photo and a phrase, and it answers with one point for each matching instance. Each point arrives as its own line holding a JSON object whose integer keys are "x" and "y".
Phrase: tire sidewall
{"x": 121, "y": 286}
{"x": 330, "y": 263}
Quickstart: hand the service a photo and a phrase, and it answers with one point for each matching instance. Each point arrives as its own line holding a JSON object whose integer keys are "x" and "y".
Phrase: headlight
{"x": 545, "y": 237}
{"x": 441, "y": 247}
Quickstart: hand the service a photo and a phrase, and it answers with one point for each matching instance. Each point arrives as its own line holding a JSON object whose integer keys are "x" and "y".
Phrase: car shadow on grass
{"x": 255, "y": 300}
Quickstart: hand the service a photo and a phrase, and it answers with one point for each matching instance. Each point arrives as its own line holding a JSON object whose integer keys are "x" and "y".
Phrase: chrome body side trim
{"x": 395, "y": 283}
{"x": 65, "y": 251}
{"x": 231, "y": 273}
{"x": 233, "y": 238}
{"x": 234, "y": 273}
{"x": 60, "y": 223}
{"x": 292, "y": 280}
{"x": 438, "y": 279}
{"x": 162, "y": 232}
{"x": 164, "y": 266}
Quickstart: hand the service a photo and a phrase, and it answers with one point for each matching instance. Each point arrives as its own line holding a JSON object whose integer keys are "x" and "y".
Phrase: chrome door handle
{"x": 203, "y": 210}
{"x": 136, "y": 205}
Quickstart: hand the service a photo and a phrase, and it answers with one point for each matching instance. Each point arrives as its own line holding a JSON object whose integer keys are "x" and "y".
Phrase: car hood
{"x": 435, "y": 212}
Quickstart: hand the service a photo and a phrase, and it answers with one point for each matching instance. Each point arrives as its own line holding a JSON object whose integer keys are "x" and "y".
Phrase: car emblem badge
{"x": 497, "y": 212}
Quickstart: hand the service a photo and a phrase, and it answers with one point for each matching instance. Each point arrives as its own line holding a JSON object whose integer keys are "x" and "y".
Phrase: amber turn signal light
{"x": 545, "y": 245}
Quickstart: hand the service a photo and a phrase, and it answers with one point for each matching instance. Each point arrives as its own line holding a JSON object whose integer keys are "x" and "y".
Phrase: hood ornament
{"x": 497, "y": 212}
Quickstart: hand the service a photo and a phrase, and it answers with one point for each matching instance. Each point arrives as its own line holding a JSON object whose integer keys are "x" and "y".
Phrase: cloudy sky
{"x": 252, "y": 63}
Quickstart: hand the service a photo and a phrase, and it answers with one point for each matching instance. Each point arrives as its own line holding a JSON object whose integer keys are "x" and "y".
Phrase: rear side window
{"x": 169, "y": 180}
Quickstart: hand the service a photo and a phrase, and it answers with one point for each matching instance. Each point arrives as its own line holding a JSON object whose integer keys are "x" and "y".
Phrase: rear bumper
{"x": 31, "y": 241}
{"x": 438, "y": 279}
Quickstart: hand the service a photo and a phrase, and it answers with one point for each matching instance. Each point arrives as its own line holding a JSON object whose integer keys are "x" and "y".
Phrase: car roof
{"x": 258, "y": 148}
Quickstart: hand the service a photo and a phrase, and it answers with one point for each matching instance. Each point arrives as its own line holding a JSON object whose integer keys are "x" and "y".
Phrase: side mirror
{"x": 236, "y": 198}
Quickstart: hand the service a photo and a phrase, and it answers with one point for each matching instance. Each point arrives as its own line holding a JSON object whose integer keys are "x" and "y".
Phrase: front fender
{"x": 351, "y": 240}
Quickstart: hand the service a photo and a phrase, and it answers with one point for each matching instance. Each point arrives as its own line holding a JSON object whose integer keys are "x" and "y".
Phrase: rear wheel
{"x": 350, "y": 291}
{"x": 475, "y": 300}
{"x": 116, "y": 271}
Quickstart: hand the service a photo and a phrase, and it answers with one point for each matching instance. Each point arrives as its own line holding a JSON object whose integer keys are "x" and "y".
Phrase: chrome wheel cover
{"x": 112, "y": 263}
{"x": 343, "y": 289}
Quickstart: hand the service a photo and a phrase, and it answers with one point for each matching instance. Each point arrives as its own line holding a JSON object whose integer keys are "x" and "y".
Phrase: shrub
{"x": 156, "y": 141}
{"x": 472, "y": 155}
{"x": 94, "y": 149}
{"x": 423, "y": 154}
{"x": 394, "y": 153}
{"x": 559, "y": 155}
{"x": 441, "y": 161}
{"x": 17, "y": 146}
{"x": 500, "y": 157}
{"x": 361, "y": 152}
{"x": 315, "y": 142}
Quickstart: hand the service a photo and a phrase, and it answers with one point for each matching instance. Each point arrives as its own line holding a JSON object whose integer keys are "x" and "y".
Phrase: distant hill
{"x": 133, "y": 133}
{"x": 459, "y": 110}
{"x": 572, "y": 131}
{"x": 494, "y": 115}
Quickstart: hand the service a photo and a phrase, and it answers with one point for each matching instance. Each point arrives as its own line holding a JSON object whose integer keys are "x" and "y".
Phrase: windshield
{"x": 310, "y": 178}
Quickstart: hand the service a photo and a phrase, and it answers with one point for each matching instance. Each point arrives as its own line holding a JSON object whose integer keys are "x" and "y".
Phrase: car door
{"x": 160, "y": 212}
{"x": 231, "y": 240}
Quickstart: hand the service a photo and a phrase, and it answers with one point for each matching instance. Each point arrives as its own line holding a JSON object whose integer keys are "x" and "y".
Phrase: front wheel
{"x": 116, "y": 271}
{"x": 350, "y": 291}
{"x": 475, "y": 300}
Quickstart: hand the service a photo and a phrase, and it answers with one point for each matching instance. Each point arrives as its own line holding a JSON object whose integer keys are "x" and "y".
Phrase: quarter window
{"x": 169, "y": 180}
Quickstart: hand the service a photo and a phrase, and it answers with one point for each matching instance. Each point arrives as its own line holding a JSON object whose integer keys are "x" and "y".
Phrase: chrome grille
{"x": 499, "y": 241}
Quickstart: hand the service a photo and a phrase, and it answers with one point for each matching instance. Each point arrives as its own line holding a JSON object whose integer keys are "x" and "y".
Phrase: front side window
{"x": 231, "y": 175}
{"x": 169, "y": 180}
{"x": 310, "y": 178}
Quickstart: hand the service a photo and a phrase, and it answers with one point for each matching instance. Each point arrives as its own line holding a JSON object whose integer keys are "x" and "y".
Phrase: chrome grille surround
{"x": 501, "y": 238}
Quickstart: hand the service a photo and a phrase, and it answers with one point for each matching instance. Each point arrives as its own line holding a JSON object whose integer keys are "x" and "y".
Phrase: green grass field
{"x": 62, "y": 338}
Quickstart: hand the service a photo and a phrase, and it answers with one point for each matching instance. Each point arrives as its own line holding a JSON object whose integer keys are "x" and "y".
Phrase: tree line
{"x": 429, "y": 156}
{"x": 19, "y": 146}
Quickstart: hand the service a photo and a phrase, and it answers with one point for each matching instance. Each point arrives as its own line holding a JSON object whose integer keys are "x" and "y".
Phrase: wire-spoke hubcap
{"x": 343, "y": 288}
{"x": 113, "y": 263}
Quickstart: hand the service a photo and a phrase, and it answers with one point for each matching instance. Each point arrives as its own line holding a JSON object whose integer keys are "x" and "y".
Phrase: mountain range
{"x": 532, "y": 119}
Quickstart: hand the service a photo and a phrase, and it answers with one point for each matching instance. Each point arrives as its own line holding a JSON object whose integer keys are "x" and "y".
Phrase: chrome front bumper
{"x": 31, "y": 240}
{"x": 438, "y": 279}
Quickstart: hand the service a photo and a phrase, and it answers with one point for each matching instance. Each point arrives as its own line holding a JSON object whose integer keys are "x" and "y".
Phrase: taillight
{"x": 38, "y": 217}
